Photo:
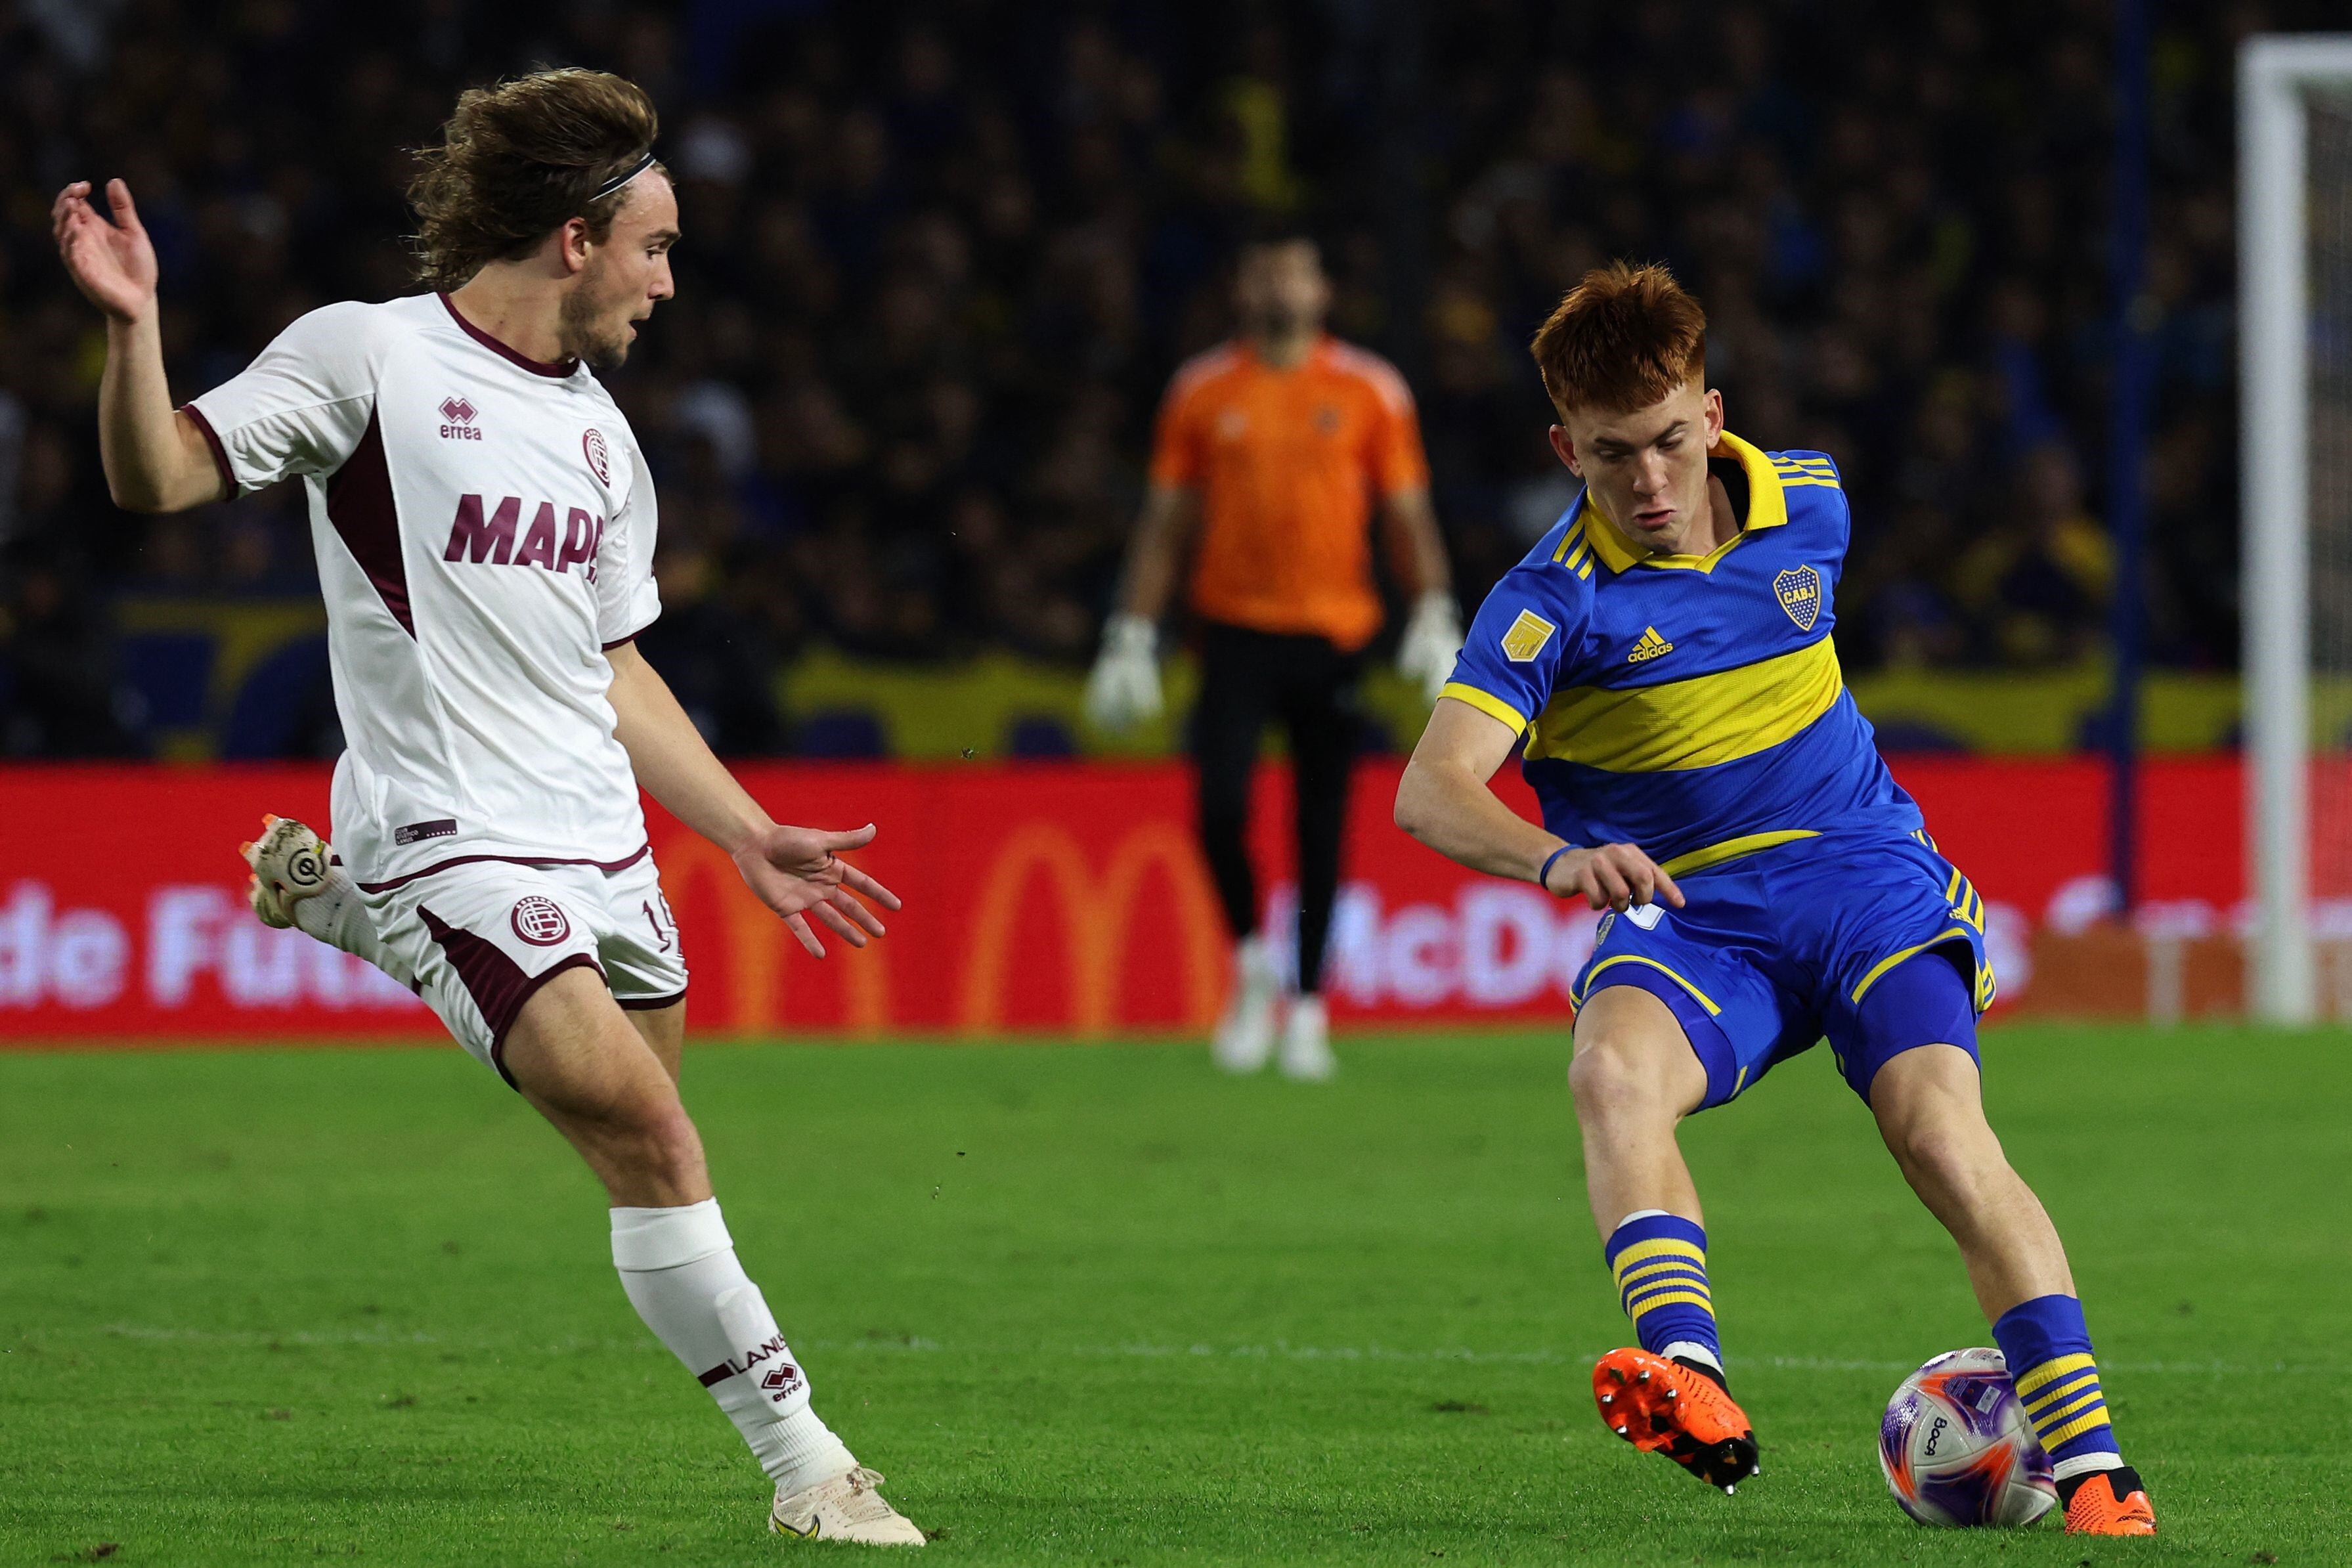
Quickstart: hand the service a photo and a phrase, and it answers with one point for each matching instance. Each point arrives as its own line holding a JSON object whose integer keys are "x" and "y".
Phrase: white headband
{"x": 622, "y": 178}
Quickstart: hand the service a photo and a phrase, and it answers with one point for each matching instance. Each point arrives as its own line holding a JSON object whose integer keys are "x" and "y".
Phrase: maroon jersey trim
{"x": 359, "y": 503}
{"x": 536, "y": 366}
{"x": 607, "y": 867}
{"x": 496, "y": 983}
{"x": 220, "y": 453}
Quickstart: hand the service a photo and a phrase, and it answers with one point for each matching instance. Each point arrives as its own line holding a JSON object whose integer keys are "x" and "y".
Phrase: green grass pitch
{"x": 1101, "y": 1305}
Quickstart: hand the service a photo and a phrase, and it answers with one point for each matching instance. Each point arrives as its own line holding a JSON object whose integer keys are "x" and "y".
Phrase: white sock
{"x": 1691, "y": 1350}
{"x": 679, "y": 1266}
{"x": 338, "y": 916}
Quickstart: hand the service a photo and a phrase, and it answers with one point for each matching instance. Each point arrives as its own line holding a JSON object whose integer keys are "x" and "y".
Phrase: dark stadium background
{"x": 941, "y": 259}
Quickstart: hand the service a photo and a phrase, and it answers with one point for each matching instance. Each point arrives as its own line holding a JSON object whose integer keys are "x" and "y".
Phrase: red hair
{"x": 1623, "y": 339}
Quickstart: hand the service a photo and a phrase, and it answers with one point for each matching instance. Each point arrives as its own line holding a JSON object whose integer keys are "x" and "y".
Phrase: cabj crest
{"x": 1800, "y": 593}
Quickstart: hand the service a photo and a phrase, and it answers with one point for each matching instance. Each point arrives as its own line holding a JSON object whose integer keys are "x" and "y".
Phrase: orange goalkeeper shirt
{"x": 1287, "y": 464}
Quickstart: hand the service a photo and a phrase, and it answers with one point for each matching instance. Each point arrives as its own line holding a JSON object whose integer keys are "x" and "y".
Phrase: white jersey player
{"x": 485, "y": 528}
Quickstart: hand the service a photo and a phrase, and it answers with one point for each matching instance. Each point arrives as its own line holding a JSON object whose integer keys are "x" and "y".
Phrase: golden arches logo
{"x": 756, "y": 946}
{"x": 1099, "y": 913}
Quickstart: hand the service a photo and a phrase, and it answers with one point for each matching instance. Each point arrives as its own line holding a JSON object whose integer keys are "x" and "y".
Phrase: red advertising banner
{"x": 1046, "y": 897}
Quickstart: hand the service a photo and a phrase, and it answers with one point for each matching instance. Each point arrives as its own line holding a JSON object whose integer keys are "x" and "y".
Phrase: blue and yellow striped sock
{"x": 1660, "y": 1262}
{"x": 2048, "y": 1349}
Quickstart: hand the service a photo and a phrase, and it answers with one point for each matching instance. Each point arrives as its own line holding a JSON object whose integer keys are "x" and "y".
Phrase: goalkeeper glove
{"x": 1124, "y": 687}
{"x": 1431, "y": 641}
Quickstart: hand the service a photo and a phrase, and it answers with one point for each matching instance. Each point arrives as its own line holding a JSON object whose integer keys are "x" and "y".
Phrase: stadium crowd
{"x": 941, "y": 259}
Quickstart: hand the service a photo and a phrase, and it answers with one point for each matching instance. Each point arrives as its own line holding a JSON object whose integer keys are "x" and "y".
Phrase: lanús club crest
{"x": 1800, "y": 593}
{"x": 600, "y": 461}
{"x": 540, "y": 921}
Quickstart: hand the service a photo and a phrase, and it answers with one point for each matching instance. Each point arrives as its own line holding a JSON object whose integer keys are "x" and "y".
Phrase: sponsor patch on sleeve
{"x": 1526, "y": 637}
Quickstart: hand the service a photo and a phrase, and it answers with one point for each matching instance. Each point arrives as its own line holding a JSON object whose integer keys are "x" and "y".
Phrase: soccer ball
{"x": 1957, "y": 1449}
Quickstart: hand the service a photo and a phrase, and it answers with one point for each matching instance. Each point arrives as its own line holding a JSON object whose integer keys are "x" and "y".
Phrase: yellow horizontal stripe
{"x": 1486, "y": 702}
{"x": 1889, "y": 961}
{"x": 2076, "y": 1428}
{"x": 2067, "y": 1390}
{"x": 2072, "y": 1408}
{"x": 1643, "y": 1293}
{"x": 1640, "y": 1301}
{"x": 1703, "y": 999}
{"x": 2050, "y": 1370}
{"x": 1662, "y": 1271}
{"x": 1659, "y": 1246}
{"x": 1635, "y": 1291}
{"x": 1700, "y": 722}
{"x": 1732, "y": 849}
{"x": 1680, "y": 1298}
{"x": 1635, "y": 1274}
{"x": 1795, "y": 482}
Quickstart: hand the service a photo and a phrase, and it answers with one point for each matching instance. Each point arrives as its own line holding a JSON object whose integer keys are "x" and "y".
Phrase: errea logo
{"x": 458, "y": 420}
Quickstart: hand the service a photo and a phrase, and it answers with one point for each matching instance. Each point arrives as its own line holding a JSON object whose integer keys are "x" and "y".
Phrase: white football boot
{"x": 850, "y": 1507}
{"x": 1246, "y": 1034}
{"x": 289, "y": 863}
{"x": 1306, "y": 1041}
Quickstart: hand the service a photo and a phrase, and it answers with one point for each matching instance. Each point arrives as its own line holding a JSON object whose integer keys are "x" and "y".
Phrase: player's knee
{"x": 1947, "y": 1156}
{"x": 668, "y": 1147}
{"x": 1612, "y": 1076}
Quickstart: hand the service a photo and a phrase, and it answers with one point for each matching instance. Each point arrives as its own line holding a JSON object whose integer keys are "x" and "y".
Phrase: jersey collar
{"x": 1768, "y": 507}
{"x": 555, "y": 372}
{"x": 1317, "y": 353}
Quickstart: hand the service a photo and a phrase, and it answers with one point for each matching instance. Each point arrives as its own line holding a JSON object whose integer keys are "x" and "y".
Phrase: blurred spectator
{"x": 940, "y": 257}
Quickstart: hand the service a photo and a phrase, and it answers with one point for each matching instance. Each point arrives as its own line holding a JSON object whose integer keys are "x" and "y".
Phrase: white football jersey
{"x": 485, "y": 528}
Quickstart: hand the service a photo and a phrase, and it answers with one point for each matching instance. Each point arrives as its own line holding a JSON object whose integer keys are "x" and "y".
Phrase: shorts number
{"x": 663, "y": 935}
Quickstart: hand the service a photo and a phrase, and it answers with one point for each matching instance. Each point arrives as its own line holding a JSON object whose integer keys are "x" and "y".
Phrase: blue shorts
{"x": 1811, "y": 939}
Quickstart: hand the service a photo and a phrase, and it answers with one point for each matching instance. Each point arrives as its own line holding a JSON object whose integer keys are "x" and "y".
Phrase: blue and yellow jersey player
{"x": 1665, "y": 656}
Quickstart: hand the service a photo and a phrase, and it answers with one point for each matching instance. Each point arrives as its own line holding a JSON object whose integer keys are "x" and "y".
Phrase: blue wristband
{"x": 1543, "y": 878}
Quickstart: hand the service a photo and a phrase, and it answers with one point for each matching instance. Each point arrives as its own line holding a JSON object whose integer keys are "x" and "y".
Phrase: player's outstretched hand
{"x": 1614, "y": 876}
{"x": 113, "y": 264}
{"x": 799, "y": 872}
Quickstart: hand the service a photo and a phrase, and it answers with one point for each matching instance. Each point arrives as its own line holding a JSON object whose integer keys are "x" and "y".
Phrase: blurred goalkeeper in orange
{"x": 1277, "y": 451}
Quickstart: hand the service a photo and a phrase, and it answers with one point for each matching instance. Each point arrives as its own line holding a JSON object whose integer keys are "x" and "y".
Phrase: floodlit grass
{"x": 1102, "y": 1306}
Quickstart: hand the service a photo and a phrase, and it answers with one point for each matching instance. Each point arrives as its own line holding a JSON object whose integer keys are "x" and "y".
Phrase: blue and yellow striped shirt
{"x": 1690, "y": 705}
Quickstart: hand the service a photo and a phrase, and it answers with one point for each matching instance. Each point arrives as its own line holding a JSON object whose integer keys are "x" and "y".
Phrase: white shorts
{"x": 481, "y": 938}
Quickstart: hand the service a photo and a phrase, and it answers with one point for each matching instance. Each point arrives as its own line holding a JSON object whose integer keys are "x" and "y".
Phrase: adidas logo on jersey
{"x": 1652, "y": 646}
{"x": 459, "y": 417}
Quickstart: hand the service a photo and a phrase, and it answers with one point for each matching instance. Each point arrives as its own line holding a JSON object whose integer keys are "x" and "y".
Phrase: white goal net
{"x": 2296, "y": 329}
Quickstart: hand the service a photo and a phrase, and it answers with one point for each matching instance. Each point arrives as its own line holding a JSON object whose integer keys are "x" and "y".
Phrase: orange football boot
{"x": 2099, "y": 1508}
{"x": 1664, "y": 1407}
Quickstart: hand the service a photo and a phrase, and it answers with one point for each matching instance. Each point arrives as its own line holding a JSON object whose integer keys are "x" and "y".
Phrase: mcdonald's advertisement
{"x": 1046, "y": 900}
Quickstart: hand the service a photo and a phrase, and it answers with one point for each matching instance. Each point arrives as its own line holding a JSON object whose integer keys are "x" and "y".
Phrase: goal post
{"x": 2295, "y": 271}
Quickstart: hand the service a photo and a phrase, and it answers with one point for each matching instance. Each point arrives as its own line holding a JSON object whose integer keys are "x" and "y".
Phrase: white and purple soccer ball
{"x": 1956, "y": 1446}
